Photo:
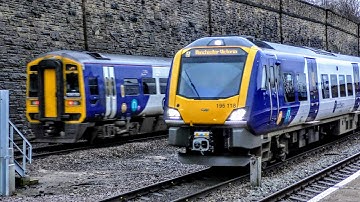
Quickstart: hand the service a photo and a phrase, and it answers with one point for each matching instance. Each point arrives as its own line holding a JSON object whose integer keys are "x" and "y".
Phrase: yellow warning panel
{"x": 50, "y": 93}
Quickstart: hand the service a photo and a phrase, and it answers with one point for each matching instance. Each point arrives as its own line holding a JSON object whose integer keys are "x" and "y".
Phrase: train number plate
{"x": 203, "y": 134}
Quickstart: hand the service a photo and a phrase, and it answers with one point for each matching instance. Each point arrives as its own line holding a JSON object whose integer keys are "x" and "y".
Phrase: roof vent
{"x": 319, "y": 51}
{"x": 97, "y": 56}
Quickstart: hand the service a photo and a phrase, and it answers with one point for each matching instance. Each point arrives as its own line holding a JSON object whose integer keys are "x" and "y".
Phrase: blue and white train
{"x": 233, "y": 97}
{"x": 75, "y": 95}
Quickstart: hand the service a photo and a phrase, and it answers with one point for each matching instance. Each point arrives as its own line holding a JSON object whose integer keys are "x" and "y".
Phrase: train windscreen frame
{"x": 211, "y": 73}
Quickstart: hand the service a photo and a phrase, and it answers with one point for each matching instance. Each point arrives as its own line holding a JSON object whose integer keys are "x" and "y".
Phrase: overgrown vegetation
{"x": 348, "y": 8}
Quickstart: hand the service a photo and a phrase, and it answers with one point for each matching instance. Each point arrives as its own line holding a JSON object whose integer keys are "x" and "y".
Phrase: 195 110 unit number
{"x": 222, "y": 105}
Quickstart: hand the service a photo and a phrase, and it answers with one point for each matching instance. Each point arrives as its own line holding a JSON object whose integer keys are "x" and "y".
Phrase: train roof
{"x": 309, "y": 52}
{"x": 95, "y": 57}
{"x": 269, "y": 47}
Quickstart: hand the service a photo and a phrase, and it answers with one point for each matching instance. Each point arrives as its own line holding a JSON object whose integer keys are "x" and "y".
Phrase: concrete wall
{"x": 155, "y": 28}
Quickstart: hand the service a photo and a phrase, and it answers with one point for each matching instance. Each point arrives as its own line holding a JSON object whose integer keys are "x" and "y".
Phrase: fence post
{"x": 4, "y": 143}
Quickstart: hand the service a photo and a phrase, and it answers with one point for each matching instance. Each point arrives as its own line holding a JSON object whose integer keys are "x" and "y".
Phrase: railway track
{"x": 183, "y": 187}
{"x": 47, "y": 150}
{"x": 315, "y": 184}
{"x": 195, "y": 185}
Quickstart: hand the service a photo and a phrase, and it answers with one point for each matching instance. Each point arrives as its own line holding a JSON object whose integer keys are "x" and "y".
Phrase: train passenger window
{"x": 334, "y": 86}
{"x": 72, "y": 85}
{"x": 342, "y": 86}
{"x": 289, "y": 93}
{"x": 149, "y": 86}
{"x": 163, "y": 83}
{"x": 131, "y": 86}
{"x": 93, "y": 86}
{"x": 301, "y": 85}
{"x": 325, "y": 86}
{"x": 113, "y": 87}
{"x": 33, "y": 88}
{"x": 349, "y": 85}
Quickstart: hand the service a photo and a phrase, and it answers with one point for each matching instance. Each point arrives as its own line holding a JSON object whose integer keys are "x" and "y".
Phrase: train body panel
{"x": 73, "y": 95}
{"x": 110, "y": 100}
{"x": 334, "y": 101}
{"x": 156, "y": 90}
{"x": 287, "y": 98}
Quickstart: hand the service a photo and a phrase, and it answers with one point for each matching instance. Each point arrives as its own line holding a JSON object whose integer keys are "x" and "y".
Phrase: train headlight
{"x": 217, "y": 42}
{"x": 173, "y": 114}
{"x": 73, "y": 102}
{"x": 35, "y": 102}
{"x": 237, "y": 115}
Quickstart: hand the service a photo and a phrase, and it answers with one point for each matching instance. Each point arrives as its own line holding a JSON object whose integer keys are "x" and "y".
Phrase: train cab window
{"x": 334, "y": 86}
{"x": 263, "y": 78}
{"x": 131, "y": 86}
{"x": 325, "y": 86}
{"x": 72, "y": 85}
{"x": 302, "y": 87}
{"x": 33, "y": 88}
{"x": 289, "y": 93}
{"x": 349, "y": 85}
{"x": 272, "y": 76}
{"x": 93, "y": 86}
{"x": 149, "y": 86}
{"x": 342, "y": 86}
{"x": 163, "y": 83}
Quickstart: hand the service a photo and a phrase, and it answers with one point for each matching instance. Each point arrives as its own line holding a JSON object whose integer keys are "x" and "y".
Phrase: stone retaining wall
{"x": 155, "y": 28}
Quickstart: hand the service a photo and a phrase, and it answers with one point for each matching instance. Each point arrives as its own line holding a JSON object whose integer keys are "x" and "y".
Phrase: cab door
{"x": 313, "y": 88}
{"x": 357, "y": 86}
{"x": 273, "y": 88}
{"x": 110, "y": 92}
{"x": 51, "y": 92}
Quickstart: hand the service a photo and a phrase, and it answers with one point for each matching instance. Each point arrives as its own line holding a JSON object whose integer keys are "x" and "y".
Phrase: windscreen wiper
{"x": 192, "y": 84}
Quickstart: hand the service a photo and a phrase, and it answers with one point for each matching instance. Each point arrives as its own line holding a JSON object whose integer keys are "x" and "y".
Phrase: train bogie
{"x": 257, "y": 98}
{"x": 75, "y": 95}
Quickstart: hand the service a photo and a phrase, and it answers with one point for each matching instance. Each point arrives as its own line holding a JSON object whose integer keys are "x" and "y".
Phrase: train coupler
{"x": 202, "y": 142}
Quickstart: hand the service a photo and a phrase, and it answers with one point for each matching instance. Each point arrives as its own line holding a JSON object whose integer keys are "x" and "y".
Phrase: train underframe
{"x": 62, "y": 132}
{"x": 231, "y": 146}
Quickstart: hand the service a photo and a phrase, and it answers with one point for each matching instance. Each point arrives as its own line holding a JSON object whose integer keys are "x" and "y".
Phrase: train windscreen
{"x": 211, "y": 77}
{"x": 33, "y": 87}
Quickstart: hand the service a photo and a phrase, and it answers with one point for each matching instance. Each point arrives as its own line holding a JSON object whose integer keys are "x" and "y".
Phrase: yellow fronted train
{"x": 73, "y": 95}
{"x": 232, "y": 97}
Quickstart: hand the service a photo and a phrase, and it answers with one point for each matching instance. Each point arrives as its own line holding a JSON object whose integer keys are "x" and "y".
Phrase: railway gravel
{"x": 97, "y": 174}
{"x": 287, "y": 175}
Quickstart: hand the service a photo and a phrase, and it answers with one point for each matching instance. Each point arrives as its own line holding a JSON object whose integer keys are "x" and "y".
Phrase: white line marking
{"x": 335, "y": 187}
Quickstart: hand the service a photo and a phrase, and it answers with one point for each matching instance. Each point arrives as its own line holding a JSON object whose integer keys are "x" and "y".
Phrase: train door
{"x": 51, "y": 91}
{"x": 110, "y": 92}
{"x": 357, "y": 86}
{"x": 313, "y": 88}
{"x": 272, "y": 71}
